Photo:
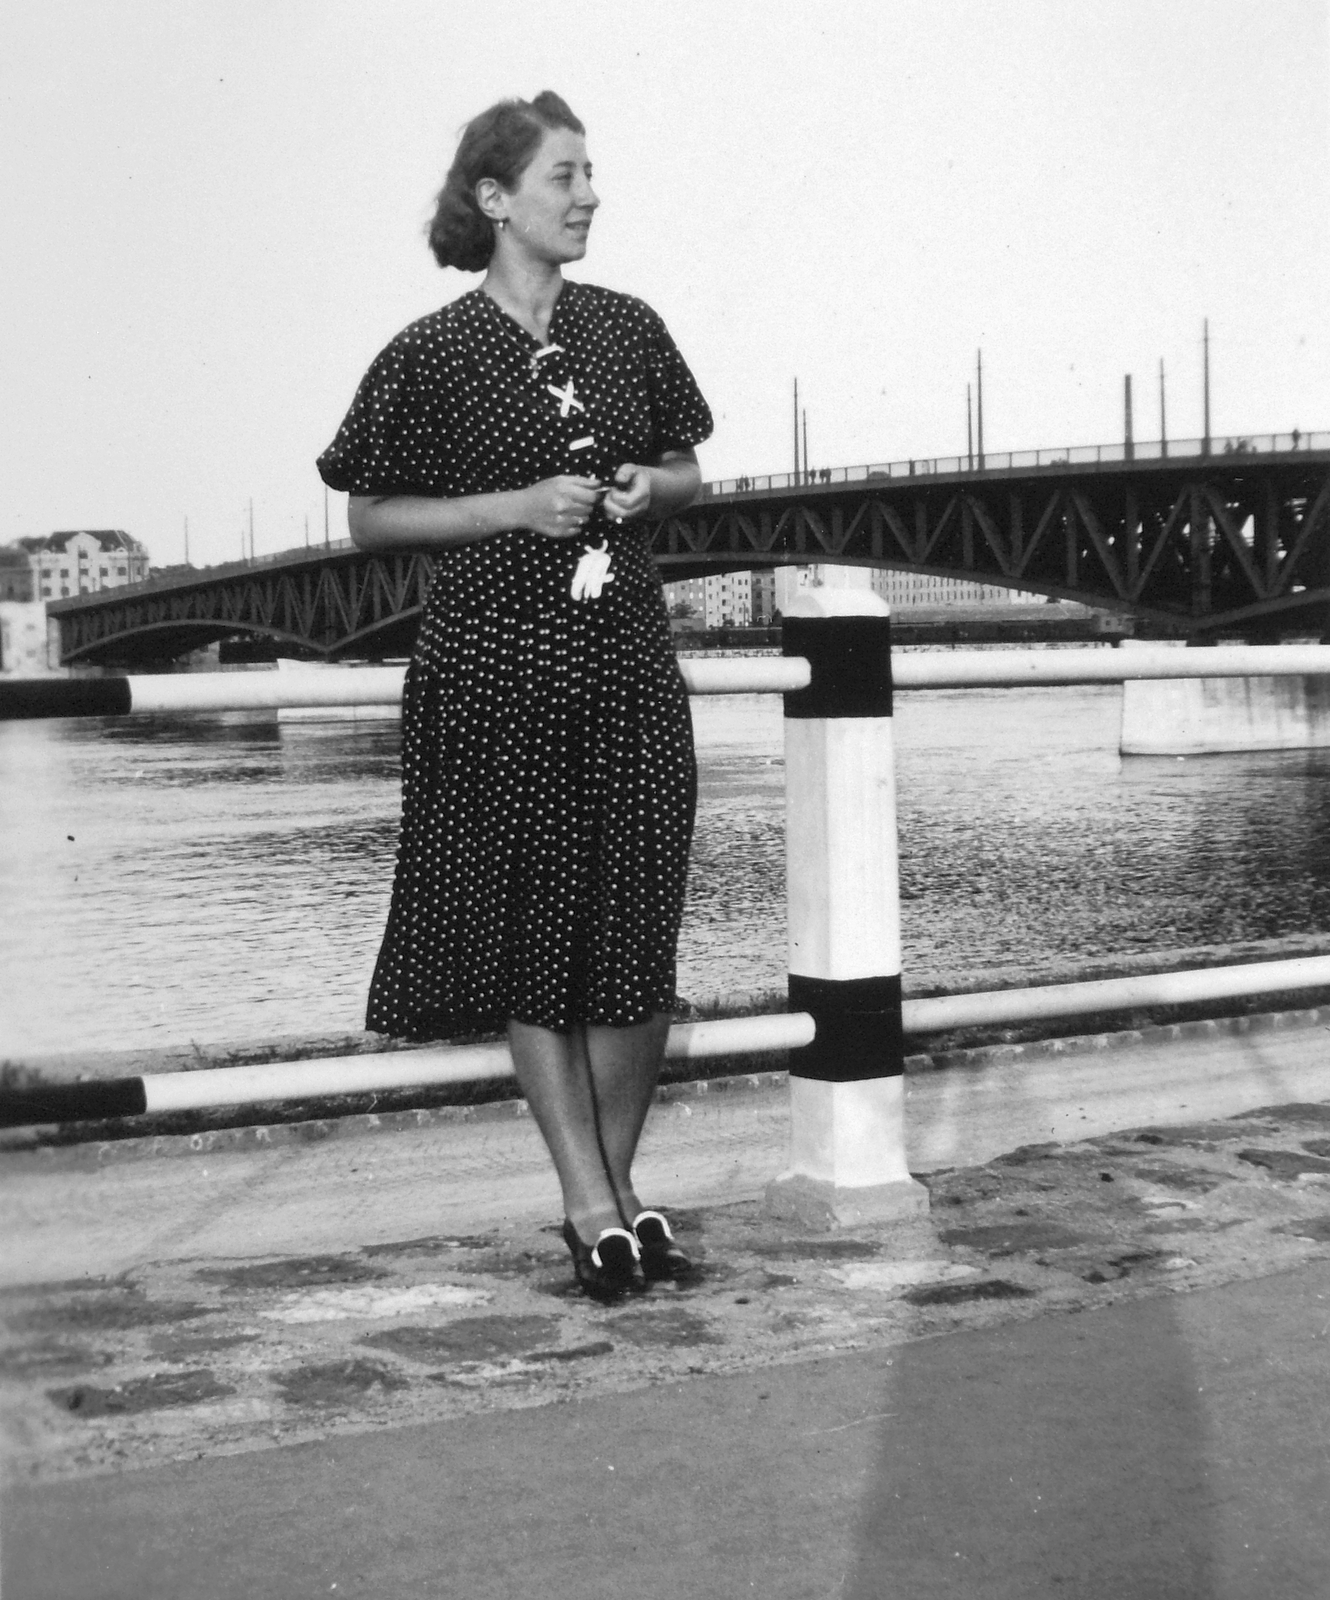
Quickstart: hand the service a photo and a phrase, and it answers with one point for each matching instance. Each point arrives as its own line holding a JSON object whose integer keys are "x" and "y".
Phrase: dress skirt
{"x": 549, "y": 788}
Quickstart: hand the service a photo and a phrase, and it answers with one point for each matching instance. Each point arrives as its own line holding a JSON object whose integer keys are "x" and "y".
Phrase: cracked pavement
{"x": 186, "y": 1352}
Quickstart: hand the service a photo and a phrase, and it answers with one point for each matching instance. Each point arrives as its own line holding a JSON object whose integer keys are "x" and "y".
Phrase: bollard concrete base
{"x": 847, "y": 1156}
{"x": 820, "y": 1206}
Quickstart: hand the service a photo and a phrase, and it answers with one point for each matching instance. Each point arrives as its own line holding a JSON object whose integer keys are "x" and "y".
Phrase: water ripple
{"x": 175, "y": 878}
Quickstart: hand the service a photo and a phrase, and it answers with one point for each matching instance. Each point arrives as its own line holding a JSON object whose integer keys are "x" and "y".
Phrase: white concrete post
{"x": 847, "y": 1132}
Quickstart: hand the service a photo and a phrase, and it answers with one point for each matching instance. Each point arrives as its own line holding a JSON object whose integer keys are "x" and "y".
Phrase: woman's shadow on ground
{"x": 1067, "y": 1455}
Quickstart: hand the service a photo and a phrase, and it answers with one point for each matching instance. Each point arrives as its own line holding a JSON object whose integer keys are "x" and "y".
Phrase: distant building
{"x": 16, "y": 574}
{"x": 925, "y": 589}
{"x": 23, "y": 639}
{"x": 729, "y": 599}
{"x": 723, "y": 600}
{"x": 83, "y": 561}
{"x": 764, "y": 597}
{"x": 686, "y": 600}
{"x": 899, "y": 589}
{"x": 753, "y": 599}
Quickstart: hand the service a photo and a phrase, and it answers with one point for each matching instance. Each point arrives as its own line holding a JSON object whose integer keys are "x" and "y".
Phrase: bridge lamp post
{"x": 969, "y": 430}
{"x": 979, "y": 406}
{"x": 1163, "y": 416}
{"x": 1128, "y": 445}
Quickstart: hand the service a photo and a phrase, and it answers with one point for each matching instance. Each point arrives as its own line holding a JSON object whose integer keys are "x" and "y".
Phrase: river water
{"x": 170, "y": 879}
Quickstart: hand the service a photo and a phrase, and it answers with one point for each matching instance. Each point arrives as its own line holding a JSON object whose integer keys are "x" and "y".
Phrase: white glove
{"x": 593, "y": 572}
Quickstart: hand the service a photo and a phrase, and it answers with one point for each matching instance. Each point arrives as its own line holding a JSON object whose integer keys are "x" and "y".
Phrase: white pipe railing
{"x": 942, "y": 1013}
{"x": 1008, "y": 669}
{"x": 324, "y": 1077}
{"x": 745, "y": 675}
{"x": 438, "y": 1064}
{"x": 943, "y": 669}
{"x": 266, "y": 691}
{"x": 301, "y": 687}
{"x": 386, "y": 1072}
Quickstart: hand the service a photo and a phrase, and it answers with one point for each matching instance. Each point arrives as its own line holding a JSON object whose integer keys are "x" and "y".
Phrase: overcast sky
{"x": 214, "y": 218}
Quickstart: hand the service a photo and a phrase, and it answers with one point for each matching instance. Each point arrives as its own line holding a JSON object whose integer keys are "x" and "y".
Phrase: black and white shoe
{"x": 662, "y": 1259}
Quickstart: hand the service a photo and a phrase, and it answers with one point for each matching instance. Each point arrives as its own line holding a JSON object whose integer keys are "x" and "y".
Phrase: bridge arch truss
{"x": 1228, "y": 544}
{"x": 1237, "y": 545}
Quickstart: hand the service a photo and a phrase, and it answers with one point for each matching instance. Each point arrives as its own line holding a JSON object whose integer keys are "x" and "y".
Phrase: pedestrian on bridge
{"x": 522, "y": 437}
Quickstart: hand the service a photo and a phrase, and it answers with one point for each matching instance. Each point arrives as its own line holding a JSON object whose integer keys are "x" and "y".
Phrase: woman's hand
{"x": 631, "y": 494}
{"x": 557, "y": 508}
{"x": 560, "y": 507}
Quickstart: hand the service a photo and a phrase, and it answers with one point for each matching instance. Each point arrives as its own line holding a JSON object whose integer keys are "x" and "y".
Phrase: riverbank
{"x": 1058, "y": 622}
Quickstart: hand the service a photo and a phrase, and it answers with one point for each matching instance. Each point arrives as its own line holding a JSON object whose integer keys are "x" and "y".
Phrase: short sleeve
{"x": 680, "y": 417}
{"x": 381, "y": 447}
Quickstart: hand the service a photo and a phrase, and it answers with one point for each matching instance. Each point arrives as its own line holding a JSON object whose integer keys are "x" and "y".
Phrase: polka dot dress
{"x": 548, "y": 782}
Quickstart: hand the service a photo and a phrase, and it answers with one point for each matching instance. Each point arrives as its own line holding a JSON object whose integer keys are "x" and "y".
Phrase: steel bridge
{"x": 1194, "y": 538}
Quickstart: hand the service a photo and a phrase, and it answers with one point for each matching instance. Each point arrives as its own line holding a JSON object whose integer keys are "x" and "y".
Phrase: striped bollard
{"x": 847, "y": 1088}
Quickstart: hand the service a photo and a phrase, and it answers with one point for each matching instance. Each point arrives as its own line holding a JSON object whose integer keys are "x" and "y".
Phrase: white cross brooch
{"x": 593, "y": 572}
{"x": 567, "y": 398}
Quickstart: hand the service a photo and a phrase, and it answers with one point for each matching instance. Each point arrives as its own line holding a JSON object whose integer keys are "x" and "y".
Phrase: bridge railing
{"x": 182, "y": 579}
{"x": 1080, "y": 456}
{"x": 847, "y": 1019}
{"x": 275, "y": 557}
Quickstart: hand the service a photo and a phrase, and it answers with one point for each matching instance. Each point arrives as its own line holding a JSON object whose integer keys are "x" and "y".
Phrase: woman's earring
{"x": 503, "y": 223}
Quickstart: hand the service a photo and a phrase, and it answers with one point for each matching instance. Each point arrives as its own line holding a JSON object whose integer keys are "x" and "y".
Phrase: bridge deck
{"x": 1233, "y": 540}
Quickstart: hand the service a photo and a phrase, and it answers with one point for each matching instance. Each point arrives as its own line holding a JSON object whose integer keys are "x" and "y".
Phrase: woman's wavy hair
{"x": 497, "y": 144}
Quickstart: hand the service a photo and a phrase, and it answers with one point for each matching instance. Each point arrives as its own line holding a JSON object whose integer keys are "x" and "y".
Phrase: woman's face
{"x": 549, "y": 213}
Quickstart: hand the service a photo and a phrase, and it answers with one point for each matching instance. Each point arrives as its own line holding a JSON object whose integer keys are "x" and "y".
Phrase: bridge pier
{"x": 1207, "y": 716}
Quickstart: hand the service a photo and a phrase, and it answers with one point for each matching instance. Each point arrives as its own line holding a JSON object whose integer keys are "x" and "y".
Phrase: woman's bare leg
{"x": 625, "y": 1065}
{"x": 554, "y": 1075}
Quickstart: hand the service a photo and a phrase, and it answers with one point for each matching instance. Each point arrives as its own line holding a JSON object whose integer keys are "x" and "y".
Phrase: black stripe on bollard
{"x": 858, "y": 1028}
{"x": 72, "y": 1102}
{"x": 851, "y": 666}
{"x": 64, "y": 697}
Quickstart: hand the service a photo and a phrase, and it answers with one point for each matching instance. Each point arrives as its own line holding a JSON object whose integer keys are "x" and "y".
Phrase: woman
{"x": 521, "y": 435}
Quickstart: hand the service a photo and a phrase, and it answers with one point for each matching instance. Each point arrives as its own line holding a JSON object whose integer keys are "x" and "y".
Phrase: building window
{"x": 64, "y": 572}
{"x": 102, "y": 572}
{"x": 64, "y": 591}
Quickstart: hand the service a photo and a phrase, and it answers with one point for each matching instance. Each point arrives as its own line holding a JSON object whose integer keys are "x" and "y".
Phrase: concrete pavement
{"x": 350, "y": 1355}
{"x": 1170, "y": 1446}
